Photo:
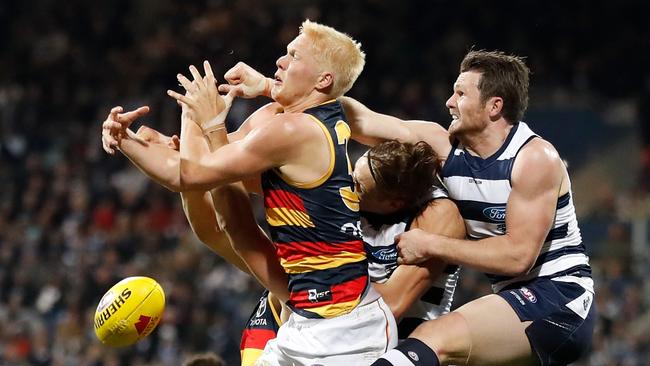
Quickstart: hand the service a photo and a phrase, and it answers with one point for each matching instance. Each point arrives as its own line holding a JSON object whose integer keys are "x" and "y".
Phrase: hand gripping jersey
{"x": 315, "y": 227}
{"x": 481, "y": 187}
{"x": 379, "y": 236}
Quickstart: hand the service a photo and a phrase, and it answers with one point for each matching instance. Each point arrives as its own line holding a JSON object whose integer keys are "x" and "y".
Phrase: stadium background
{"x": 74, "y": 220}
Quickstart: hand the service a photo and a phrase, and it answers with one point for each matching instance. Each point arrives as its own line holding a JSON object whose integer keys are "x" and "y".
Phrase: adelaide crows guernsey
{"x": 481, "y": 187}
{"x": 315, "y": 227}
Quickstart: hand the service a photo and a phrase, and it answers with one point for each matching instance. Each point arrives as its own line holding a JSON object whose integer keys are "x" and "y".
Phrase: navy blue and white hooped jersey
{"x": 379, "y": 239}
{"x": 481, "y": 187}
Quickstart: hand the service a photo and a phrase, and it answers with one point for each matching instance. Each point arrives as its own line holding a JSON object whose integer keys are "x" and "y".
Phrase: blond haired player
{"x": 515, "y": 196}
{"x": 414, "y": 293}
{"x": 309, "y": 196}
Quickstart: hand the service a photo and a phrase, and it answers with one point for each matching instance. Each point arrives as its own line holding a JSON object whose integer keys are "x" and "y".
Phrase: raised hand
{"x": 114, "y": 128}
{"x": 202, "y": 101}
{"x": 246, "y": 82}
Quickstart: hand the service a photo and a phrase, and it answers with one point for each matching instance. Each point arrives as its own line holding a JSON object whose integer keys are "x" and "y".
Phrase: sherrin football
{"x": 129, "y": 311}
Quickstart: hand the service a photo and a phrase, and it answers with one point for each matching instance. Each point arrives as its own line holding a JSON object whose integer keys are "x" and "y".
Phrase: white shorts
{"x": 358, "y": 338}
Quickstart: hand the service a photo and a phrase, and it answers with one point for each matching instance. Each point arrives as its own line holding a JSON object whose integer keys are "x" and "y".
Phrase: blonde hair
{"x": 338, "y": 52}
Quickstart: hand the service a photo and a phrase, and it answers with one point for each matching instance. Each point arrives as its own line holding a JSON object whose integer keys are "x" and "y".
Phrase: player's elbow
{"x": 188, "y": 177}
{"x": 521, "y": 263}
{"x": 397, "y": 307}
{"x": 173, "y": 185}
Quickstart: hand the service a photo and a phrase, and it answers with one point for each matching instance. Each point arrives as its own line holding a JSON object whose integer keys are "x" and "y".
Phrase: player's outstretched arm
{"x": 158, "y": 161}
{"x": 370, "y": 128}
{"x": 409, "y": 282}
{"x": 197, "y": 206}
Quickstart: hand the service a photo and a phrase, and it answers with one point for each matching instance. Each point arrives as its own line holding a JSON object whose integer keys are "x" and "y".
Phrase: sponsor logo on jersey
{"x": 385, "y": 254}
{"x": 495, "y": 213}
{"x": 316, "y": 296}
{"x": 262, "y": 308}
{"x": 258, "y": 322}
{"x": 528, "y": 294}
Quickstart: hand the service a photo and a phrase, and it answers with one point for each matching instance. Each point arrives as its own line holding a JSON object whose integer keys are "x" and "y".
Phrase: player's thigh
{"x": 496, "y": 334}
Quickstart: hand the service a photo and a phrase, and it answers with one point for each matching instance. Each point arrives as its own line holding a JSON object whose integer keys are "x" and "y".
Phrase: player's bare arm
{"x": 370, "y": 127}
{"x": 198, "y": 207}
{"x": 409, "y": 282}
{"x": 536, "y": 182}
{"x": 235, "y": 217}
{"x": 283, "y": 142}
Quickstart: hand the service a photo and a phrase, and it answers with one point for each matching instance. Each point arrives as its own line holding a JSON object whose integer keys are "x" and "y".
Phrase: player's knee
{"x": 448, "y": 336}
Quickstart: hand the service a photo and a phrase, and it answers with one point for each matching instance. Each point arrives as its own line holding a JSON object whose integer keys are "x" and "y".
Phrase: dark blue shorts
{"x": 563, "y": 316}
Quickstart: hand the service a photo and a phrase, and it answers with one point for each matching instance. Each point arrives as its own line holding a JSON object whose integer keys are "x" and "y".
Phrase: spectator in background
{"x": 206, "y": 359}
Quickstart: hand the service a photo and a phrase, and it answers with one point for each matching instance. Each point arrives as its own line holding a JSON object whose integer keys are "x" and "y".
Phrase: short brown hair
{"x": 502, "y": 75}
{"x": 403, "y": 170}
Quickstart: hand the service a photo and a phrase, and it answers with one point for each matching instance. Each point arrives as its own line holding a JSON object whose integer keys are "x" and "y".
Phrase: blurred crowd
{"x": 73, "y": 220}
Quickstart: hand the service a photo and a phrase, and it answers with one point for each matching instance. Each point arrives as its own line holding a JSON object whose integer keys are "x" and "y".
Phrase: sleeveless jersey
{"x": 481, "y": 187}
{"x": 315, "y": 227}
{"x": 379, "y": 236}
{"x": 262, "y": 326}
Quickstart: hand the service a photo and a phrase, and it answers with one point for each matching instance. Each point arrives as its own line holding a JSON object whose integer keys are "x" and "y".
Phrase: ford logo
{"x": 496, "y": 213}
{"x": 388, "y": 254}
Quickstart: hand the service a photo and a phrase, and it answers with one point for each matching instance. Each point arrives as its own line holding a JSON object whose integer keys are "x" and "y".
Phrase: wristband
{"x": 216, "y": 123}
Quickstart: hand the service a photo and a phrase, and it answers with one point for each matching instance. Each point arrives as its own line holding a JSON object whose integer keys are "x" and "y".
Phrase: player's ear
{"x": 325, "y": 80}
{"x": 495, "y": 105}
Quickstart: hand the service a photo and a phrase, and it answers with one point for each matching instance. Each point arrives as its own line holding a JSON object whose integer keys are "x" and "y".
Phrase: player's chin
{"x": 455, "y": 127}
{"x": 275, "y": 91}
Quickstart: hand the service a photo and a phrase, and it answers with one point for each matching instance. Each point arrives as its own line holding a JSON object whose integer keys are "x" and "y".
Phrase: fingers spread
{"x": 180, "y": 97}
{"x": 186, "y": 83}
{"x": 208, "y": 69}
{"x": 198, "y": 80}
{"x": 130, "y": 116}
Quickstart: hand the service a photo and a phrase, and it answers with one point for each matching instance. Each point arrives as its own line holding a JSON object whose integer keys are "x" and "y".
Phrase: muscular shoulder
{"x": 264, "y": 113}
{"x": 538, "y": 162}
{"x": 257, "y": 119}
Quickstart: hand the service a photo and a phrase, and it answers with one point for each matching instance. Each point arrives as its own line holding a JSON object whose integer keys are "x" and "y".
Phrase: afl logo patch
{"x": 528, "y": 294}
